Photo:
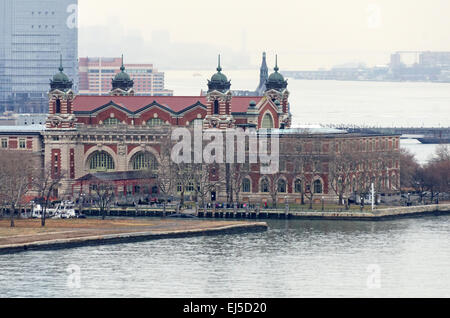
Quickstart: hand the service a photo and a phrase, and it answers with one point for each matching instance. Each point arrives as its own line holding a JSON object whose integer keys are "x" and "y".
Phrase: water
{"x": 387, "y": 104}
{"x": 292, "y": 259}
{"x": 341, "y": 102}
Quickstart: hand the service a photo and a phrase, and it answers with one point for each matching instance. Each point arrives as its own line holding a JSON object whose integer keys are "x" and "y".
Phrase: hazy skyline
{"x": 305, "y": 34}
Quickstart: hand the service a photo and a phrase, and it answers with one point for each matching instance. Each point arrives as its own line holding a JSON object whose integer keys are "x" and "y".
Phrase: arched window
{"x": 267, "y": 122}
{"x": 246, "y": 185}
{"x": 101, "y": 161}
{"x": 58, "y": 106}
{"x": 318, "y": 186}
{"x": 264, "y": 186}
{"x": 111, "y": 122}
{"x": 155, "y": 122}
{"x": 216, "y": 107}
{"x": 298, "y": 186}
{"x": 282, "y": 186}
{"x": 144, "y": 161}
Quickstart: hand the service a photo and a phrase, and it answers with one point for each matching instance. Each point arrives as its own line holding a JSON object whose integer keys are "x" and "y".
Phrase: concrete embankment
{"x": 378, "y": 214}
{"x": 57, "y": 237}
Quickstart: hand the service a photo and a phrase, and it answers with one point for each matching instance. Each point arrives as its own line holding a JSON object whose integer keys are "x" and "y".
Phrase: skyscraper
{"x": 33, "y": 34}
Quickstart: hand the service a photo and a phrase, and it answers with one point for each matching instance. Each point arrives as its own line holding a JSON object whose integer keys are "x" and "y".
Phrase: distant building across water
{"x": 97, "y": 73}
{"x": 427, "y": 67}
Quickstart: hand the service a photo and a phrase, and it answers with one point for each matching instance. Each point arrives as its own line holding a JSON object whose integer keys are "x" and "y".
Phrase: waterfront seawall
{"x": 376, "y": 215}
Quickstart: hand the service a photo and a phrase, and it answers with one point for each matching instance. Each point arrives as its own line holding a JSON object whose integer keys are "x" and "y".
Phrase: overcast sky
{"x": 306, "y": 34}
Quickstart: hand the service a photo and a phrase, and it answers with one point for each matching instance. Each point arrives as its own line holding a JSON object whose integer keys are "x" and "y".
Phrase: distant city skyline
{"x": 305, "y": 34}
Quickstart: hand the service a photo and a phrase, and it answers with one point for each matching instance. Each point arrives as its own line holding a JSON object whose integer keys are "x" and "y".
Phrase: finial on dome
{"x": 61, "y": 68}
{"x": 219, "y": 68}
{"x": 276, "y": 69}
{"x": 122, "y": 68}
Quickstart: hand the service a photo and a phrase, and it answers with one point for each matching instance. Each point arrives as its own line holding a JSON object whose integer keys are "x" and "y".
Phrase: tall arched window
{"x": 298, "y": 186}
{"x": 101, "y": 161}
{"x": 267, "y": 122}
{"x": 216, "y": 107}
{"x": 246, "y": 185}
{"x": 265, "y": 186}
{"x": 58, "y": 106}
{"x": 318, "y": 186}
{"x": 282, "y": 186}
{"x": 144, "y": 161}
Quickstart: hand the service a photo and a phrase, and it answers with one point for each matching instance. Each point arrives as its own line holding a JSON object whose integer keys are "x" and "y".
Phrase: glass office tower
{"x": 33, "y": 34}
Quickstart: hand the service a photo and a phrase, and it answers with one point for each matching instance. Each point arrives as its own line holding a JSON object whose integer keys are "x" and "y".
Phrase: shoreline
{"x": 56, "y": 243}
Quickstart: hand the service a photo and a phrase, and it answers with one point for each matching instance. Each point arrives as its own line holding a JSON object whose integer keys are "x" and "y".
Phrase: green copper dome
{"x": 276, "y": 80}
{"x": 219, "y": 81}
{"x": 219, "y": 77}
{"x": 60, "y": 80}
{"x": 122, "y": 80}
{"x": 60, "y": 77}
{"x": 122, "y": 76}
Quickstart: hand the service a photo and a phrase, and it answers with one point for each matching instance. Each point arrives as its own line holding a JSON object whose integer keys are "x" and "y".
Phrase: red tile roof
{"x": 86, "y": 103}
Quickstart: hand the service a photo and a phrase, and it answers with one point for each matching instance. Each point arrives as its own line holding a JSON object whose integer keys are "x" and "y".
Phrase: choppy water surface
{"x": 292, "y": 259}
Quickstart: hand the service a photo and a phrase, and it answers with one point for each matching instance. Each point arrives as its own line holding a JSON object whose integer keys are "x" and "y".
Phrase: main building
{"x": 115, "y": 137}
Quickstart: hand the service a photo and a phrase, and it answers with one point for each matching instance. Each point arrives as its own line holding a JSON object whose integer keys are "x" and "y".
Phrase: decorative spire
{"x": 61, "y": 68}
{"x": 122, "y": 68}
{"x": 122, "y": 80}
{"x": 263, "y": 76}
{"x": 219, "y": 69}
{"x": 219, "y": 81}
{"x": 276, "y": 69}
{"x": 60, "y": 80}
{"x": 276, "y": 80}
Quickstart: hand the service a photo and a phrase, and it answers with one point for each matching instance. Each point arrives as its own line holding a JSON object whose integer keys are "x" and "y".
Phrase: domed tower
{"x": 219, "y": 82}
{"x": 60, "y": 101}
{"x": 276, "y": 81}
{"x": 122, "y": 84}
{"x": 219, "y": 101}
{"x": 276, "y": 90}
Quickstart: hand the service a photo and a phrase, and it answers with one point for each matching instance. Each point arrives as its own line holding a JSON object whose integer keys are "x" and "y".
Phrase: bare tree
{"x": 342, "y": 166}
{"x": 272, "y": 181}
{"x": 47, "y": 180}
{"x": 238, "y": 171}
{"x": 17, "y": 171}
{"x": 206, "y": 178}
{"x": 103, "y": 195}
{"x": 312, "y": 160}
{"x": 408, "y": 168}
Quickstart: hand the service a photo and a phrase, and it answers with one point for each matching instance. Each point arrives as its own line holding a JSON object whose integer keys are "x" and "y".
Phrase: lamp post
{"x": 287, "y": 205}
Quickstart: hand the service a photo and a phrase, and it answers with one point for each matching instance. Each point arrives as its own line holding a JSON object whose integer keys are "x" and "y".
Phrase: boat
{"x": 63, "y": 210}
